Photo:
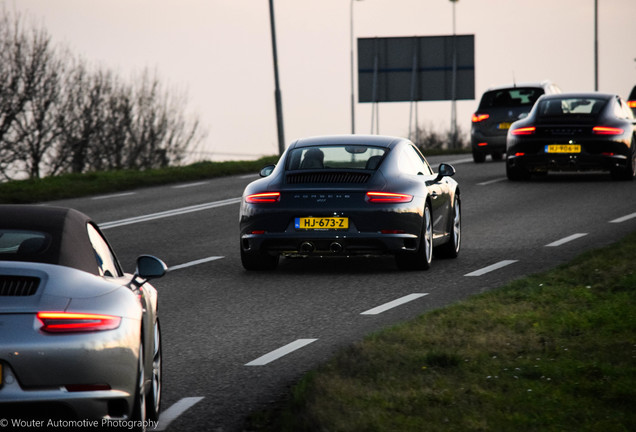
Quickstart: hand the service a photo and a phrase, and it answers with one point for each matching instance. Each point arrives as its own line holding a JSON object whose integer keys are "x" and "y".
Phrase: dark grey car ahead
{"x": 498, "y": 108}
{"x": 351, "y": 195}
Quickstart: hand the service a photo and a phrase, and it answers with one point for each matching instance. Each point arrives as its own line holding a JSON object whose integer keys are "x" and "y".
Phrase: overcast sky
{"x": 219, "y": 53}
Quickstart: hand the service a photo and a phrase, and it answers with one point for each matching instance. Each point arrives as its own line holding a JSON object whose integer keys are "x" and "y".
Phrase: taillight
{"x": 479, "y": 117}
{"x": 631, "y": 104}
{"x": 524, "y": 131}
{"x": 67, "y": 322}
{"x": 606, "y": 130}
{"x": 388, "y": 197}
{"x": 264, "y": 197}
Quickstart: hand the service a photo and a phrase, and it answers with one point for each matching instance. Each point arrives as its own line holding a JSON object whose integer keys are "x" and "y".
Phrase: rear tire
{"x": 451, "y": 249}
{"x": 479, "y": 157}
{"x": 629, "y": 173}
{"x": 516, "y": 174}
{"x": 420, "y": 260}
{"x": 256, "y": 261}
{"x": 139, "y": 410}
{"x": 153, "y": 403}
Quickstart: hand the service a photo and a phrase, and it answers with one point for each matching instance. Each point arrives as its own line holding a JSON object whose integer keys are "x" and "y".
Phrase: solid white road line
{"x": 178, "y": 408}
{"x": 190, "y": 185}
{"x": 566, "y": 240}
{"x": 490, "y": 268}
{"x": 394, "y": 303}
{"x": 193, "y": 263}
{"x": 486, "y": 183}
{"x": 460, "y": 161}
{"x": 280, "y": 352}
{"x": 113, "y": 195}
{"x": 624, "y": 218}
{"x": 168, "y": 213}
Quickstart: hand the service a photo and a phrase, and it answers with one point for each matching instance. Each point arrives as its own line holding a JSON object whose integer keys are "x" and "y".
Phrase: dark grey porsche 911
{"x": 351, "y": 195}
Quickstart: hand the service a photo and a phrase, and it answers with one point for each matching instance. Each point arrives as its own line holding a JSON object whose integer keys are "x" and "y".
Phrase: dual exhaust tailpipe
{"x": 309, "y": 247}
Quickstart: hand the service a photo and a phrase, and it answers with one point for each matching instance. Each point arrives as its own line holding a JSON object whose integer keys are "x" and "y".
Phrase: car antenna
{"x": 514, "y": 80}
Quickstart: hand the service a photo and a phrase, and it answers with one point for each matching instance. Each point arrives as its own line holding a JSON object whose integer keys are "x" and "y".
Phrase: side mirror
{"x": 150, "y": 267}
{"x": 445, "y": 170}
{"x": 266, "y": 171}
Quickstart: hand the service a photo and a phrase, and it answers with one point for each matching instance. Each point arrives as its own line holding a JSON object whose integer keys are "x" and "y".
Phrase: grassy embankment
{"x": 551, "y": 352}
{"x": 78, "y": 185}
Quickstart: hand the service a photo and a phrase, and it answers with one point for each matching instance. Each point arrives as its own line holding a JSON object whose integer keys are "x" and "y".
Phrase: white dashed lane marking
{"x": 490, "y": 268}
{"x": 394, "y": 303}
{"x": 566, "y": 240}
{"x": 280, "y": 352}
{"x": 168, "y": 416}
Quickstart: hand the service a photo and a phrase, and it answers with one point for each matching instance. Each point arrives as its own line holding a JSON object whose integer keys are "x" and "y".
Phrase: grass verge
{"x": 554, "y": 351}
{"x": 79, "y": 185}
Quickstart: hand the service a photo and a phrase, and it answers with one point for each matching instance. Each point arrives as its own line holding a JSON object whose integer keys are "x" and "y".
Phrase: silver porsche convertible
{"x": 79, "y": 338}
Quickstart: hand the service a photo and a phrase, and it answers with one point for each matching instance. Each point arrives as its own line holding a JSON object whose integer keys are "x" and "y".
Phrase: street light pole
{"x": 353, "y": 111}
{"x": 454, "y": 86}
{"x": 277, "y": 95}
{"x": 595, "y": 45}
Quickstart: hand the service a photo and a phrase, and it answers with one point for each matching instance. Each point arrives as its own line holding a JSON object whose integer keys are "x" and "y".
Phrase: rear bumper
{"x": 567, "y": 162}
{"x": 329, "y": 243}
{"x": 488, "y": 143}
{"x": 90, "y": 375}
{"x": 57, "y": 403}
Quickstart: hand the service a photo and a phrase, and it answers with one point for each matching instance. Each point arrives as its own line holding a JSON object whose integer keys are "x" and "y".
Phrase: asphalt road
{"x": 235, "y": 341}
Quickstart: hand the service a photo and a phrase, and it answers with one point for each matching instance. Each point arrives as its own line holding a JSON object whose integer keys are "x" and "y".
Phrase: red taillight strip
{"x": 607, "y": 130}
{"x": 264, "y": 197}
{"x": 388, "y": 197}
{"x": 479, "y": 117}
{"x": 66, "y": 322}
{"x": 524, "y": 131}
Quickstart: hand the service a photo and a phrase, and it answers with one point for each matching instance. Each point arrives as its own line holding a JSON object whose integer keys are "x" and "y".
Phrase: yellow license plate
{"x": 563, "y": 148}
{"x": 504, "y": 126}
{"x": 319, "y": 223}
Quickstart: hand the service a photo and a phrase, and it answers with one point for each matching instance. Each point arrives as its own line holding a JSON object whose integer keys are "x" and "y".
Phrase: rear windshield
{"x": 19, "y": 244}
{"x": 511, "y": 97}
{"x": 335, "y": 157}
{"x": 570, "y": 106}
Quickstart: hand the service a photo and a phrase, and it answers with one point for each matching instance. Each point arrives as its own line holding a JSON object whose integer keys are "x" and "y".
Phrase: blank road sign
{"x": 418, "y": 68}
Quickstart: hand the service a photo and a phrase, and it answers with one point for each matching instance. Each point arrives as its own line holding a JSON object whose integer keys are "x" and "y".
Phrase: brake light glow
{"x": 524, "y": 131}
{"x": 606, "y": 130}
{"x": 484, "y": 144}
{"x": 264, "y": 197}
{"x": 479, "y": 117}
{"x": 67, "y": 322}
{"x": 388, "y": 197}
{"x": 520, "y": 154}
{"x": 631, "y": 104}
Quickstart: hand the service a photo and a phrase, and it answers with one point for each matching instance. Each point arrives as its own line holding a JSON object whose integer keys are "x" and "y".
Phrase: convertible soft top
{"x": 65, "y": 243}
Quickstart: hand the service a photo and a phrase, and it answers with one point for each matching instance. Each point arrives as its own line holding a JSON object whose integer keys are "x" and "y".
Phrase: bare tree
{"x": 25, "y": 71}
{"x": 59, "y": 115}
{"x": 159, "y": 131}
